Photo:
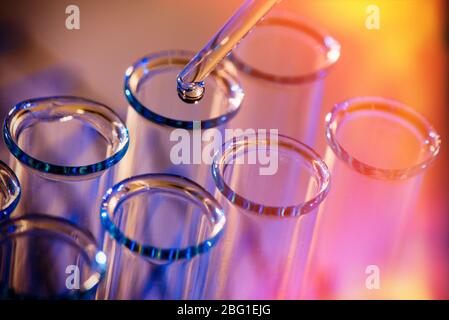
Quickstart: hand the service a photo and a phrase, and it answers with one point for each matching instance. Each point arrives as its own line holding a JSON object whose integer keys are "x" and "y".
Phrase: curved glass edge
{"x": 122, "y": 191}
{"x": 330, "y": 46}
{"x": 174, "y": 57}
{"x": 319, "y": 166}
{"x": 54, "y": 169}
{"x": 13, "y": 191}
{"x": 84, "y": 240}
{"x": 382, "y": 173}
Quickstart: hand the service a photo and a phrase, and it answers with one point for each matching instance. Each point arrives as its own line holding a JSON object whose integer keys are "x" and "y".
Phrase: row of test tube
{"x": 134, "y": 224}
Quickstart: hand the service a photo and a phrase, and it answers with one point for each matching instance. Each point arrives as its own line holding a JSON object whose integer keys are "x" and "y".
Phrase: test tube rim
{"x": 152, "y": 182}
{"x": 322, "y": 173}
{"x": 14, "y": 192}
{"x": 82, "y": 239}
{"x": 393, "y": 108}
{"x": 55, "y": 171}
{"x": 169, "y": 57}
{"x": 331, "y": 49}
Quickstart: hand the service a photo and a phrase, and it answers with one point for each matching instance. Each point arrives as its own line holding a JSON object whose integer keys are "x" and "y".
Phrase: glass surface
{"x": 160, "y": 231}
{"x": 43, "y": 257}
{"x": 271, "y": 217}
{"x": 159, "y": 121}
{"x": 9, "y": 191}
{"x": 190, "y": 81}
{"x": 378, "y": 151}
{"x": 62, "y": 150}
{"x": 282, "y": 64}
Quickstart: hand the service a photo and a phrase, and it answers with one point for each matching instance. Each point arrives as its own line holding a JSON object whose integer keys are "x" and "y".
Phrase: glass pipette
{"x": 190, "y": 80}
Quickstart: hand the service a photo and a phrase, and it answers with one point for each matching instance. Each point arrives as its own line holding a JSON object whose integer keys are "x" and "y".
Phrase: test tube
{"x": 166, "y": 133}
{"x": 282, "y": 63}
{"x": 9, "y": 191}
{"x": 270, "y": 217}
{"x": 160, "y": 229}
{"x": 378, "y": 150}
{"x": 62, "y": 151}
{"x": 44, "y": 257}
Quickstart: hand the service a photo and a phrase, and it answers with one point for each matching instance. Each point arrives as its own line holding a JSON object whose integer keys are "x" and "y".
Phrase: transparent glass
{"x": 282, "y": 63}
{"x": 271, "y": 217}
{"x": 161, "y": 229}
{"x": 44, "y": 257}
{"x": 190, "y": 82}
{"x": 9, "y": 191}
{"x": 378, "y": 150}
{"x": 159, "y": 122}
{"x": 62, "y": 151}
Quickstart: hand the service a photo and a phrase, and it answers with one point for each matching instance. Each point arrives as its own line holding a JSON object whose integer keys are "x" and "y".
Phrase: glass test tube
{"x": 160, "y": 230}
{"x": 270, "y": 217}
{"x": 9, "y": 191}
{"x": 282, "y": 63}
{"x": 62, "y": 151}
{"x": 165, "y": 131}
{"x": 33, "y": 247}
{"x": 378, "y": 150}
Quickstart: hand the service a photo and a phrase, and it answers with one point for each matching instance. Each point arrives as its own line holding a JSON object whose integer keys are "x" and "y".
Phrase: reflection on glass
{"x": 282, "y": 63}
{"x": 271, "y": 216}
{"x": 165, "y": 132}
{"x": 9, "y": 191}
{"x": 44, "y": 257}
{"x": 160, "y": 229}
{"x": 62, "y": 151}
{"x": 378, "y": 151}
{"x": 190, "y": 82}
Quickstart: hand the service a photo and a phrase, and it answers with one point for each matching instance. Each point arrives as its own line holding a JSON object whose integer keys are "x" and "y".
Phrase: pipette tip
{"x": 190, "y": 92}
